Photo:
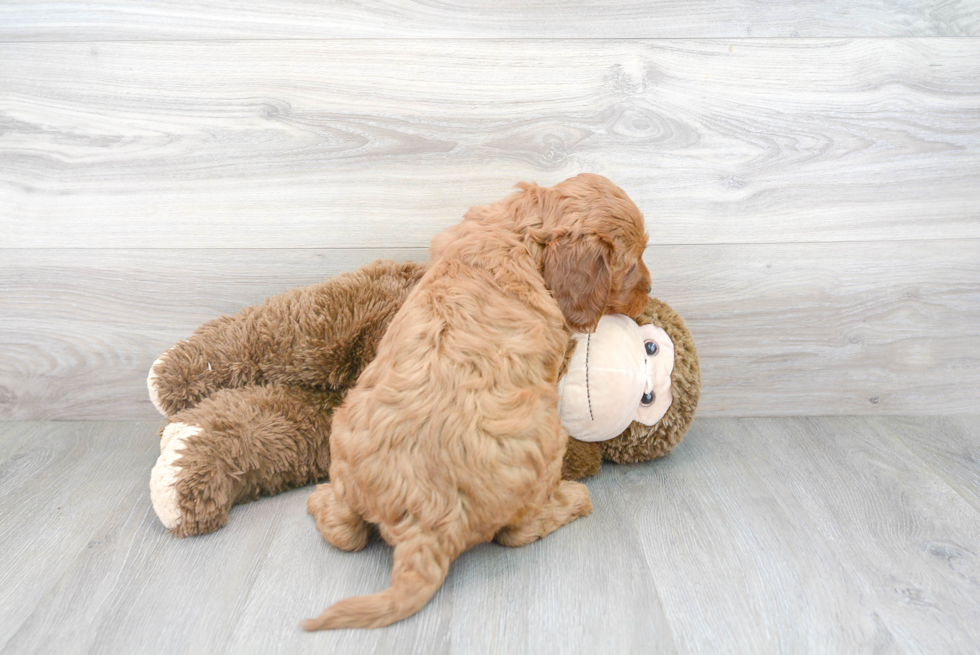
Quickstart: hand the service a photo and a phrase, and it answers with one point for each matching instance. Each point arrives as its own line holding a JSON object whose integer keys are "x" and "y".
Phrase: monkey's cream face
{"x": 657, "y": 397}
{"x": 618, "y": 374}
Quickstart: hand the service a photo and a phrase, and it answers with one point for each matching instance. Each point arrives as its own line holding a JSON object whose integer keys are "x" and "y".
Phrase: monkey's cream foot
{"x": 190, "y": 493}
{"x": 152, "y": 383}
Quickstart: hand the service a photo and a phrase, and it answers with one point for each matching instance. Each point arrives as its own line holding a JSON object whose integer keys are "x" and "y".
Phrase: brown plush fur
{"x": 263, "y": 385}
{"x": 320, "y": 337}
{"x": 451, "y": 436}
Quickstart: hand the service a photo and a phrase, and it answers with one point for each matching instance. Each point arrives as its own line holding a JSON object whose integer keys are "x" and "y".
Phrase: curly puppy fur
{"x": 451, "y": 436}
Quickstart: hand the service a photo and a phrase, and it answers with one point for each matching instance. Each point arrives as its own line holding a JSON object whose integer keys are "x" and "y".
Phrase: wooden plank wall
{"x": 813, "y": 197}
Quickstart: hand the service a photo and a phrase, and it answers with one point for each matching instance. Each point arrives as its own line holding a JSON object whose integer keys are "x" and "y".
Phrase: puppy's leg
{"x": 567, "y": 502}
{"x": 340, "y": 525}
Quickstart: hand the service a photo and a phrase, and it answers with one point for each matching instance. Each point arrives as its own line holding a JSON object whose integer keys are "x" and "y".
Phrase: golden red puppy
{"x": 451, "y": 436}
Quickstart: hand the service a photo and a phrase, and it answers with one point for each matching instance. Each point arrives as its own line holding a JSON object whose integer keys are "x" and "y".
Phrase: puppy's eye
{"x": 647, "y": 398}
{"x": 652, "y": 348}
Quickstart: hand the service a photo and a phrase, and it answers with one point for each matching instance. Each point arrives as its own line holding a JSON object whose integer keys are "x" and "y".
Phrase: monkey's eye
{"x": 652, "y": 348}
{"x": 647, "y": 398}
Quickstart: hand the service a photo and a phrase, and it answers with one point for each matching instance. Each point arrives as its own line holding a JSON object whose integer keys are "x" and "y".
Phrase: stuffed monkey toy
{"x": 249, "y": 398}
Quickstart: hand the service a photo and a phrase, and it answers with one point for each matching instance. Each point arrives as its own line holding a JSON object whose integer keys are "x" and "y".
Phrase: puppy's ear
{"x": 577, "y": 272}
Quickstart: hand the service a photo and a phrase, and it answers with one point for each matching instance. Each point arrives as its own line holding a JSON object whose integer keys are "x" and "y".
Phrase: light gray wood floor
{"x": 772, "y": 535}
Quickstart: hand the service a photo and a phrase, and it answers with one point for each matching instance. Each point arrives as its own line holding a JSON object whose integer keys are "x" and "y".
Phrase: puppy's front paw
{"x": 163, "y": 478}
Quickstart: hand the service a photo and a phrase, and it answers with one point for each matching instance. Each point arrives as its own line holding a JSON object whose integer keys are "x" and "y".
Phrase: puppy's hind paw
{"x": 338, "y": 524}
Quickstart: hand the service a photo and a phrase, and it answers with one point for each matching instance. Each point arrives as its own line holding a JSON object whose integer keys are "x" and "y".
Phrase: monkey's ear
{"x": 577, "y": 272}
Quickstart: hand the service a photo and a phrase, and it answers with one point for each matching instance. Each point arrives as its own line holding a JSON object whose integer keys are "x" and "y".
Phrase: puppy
{"x": 451, "y": 436}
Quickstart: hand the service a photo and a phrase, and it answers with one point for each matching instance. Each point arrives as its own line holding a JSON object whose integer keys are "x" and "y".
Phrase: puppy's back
{"x": 459, "y": 406}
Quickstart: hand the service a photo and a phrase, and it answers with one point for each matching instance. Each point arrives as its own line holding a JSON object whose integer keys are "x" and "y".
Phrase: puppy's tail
{"x": 420, "y": 567}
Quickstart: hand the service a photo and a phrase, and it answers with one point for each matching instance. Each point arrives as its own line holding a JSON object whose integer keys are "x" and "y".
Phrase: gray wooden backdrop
{"x": 809, "y": 172}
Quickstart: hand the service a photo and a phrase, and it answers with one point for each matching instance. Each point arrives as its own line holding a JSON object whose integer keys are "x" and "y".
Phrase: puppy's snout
{"x": 646, "y": 284}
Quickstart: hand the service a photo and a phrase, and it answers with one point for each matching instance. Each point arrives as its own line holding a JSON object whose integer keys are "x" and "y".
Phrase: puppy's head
{"x": 593, "y": 250}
